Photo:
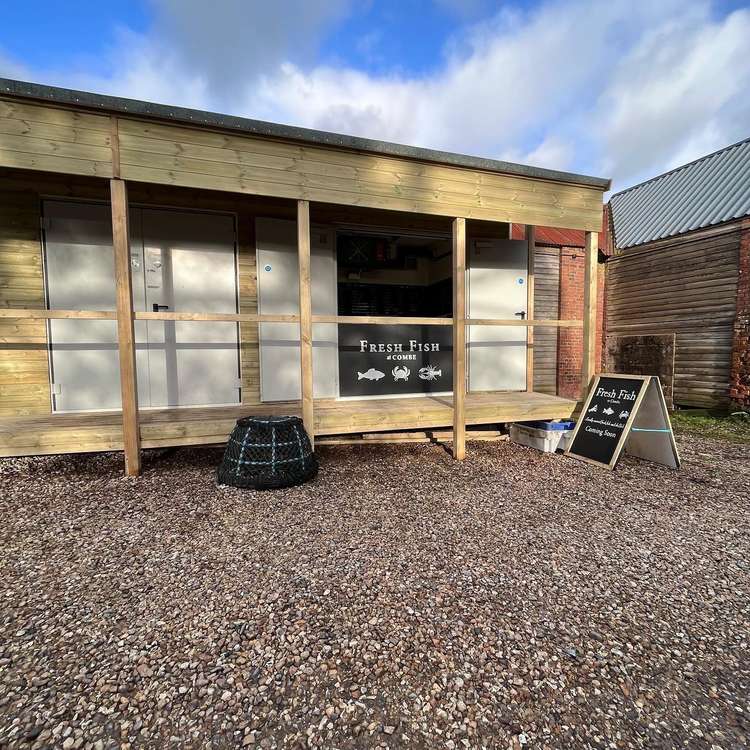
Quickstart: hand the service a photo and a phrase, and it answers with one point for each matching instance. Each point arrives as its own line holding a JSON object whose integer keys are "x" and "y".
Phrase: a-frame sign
{"x": 624, "y": 412}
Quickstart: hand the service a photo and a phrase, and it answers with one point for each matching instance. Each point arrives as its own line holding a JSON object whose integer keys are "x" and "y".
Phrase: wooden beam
{"x": 386, "y": 320}
{"x": 24, "y": 314}
{"x": 459, "y": 338}
{"x": 531, "y": 244}
{"x": 591, "y": 259}
{"x": 305, "y": 317}
{"x": 125, "y": 332}
{"x": 540, "y": 323}
{"x": 229, "y": 317}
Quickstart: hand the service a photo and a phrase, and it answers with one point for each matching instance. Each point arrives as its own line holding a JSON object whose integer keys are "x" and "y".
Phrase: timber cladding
{"x": 686, "y": 286}
{"x": 24, "y": 376}
{"x": 55, "y": 139}
{"x": 69, "y": 141}
{"x": 546, "y": 306}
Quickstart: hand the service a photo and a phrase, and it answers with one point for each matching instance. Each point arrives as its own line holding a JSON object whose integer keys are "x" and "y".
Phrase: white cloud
{"x": 681, "y": 92}
{"x": 626, "y": 89}
{"x": 553, "y": 153}
{"x": 231, "y": 41}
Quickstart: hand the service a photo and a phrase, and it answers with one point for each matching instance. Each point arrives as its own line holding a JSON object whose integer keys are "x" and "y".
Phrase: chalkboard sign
{"x": 624, "y": 412}
{"x": 381, "y": 360}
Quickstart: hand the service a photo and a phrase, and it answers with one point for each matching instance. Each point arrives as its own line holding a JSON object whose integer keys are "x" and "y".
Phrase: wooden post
{"x": 459, "y": 338}
{"x": 305, "y": 316}
{"x": 531, "y": 242}
{"x": 589, "y": 366}
{"x": 125, "y": 332}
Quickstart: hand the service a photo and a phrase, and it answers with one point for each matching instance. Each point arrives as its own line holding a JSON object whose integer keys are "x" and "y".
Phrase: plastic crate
{"x": 555, "y": 425}
{"x": 547, "y": 440}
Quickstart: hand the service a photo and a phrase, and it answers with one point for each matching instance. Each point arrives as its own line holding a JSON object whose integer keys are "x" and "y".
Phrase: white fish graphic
{"x": 594, "y": 408}
{"x": 608, "y": 411}
{"x": 371, "y": 374}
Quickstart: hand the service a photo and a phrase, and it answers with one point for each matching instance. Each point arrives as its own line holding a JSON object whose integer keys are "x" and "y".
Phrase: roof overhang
{"x": 200, "y": 118}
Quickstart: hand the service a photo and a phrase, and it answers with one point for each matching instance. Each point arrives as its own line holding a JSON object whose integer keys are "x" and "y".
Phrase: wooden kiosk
{"x": 137, "y": 158}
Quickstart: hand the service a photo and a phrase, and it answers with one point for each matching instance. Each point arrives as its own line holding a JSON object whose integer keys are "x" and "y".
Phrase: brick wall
{"x": 739, "y": 383}
{"x": 570, "y": 340}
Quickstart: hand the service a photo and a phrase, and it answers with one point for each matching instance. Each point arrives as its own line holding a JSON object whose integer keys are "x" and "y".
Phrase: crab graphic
{"x": 401, "y": 373}
{"x": 430, "y": 372}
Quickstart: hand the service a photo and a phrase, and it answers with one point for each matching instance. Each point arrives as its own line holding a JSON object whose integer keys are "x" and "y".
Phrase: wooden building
{"x": 164, "y": 271}
{"x": 680, "y": 273}
{"x": 559, "y": 292}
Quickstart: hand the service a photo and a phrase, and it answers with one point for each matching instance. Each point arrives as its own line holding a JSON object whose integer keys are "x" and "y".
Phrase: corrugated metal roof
{"x": 199, "y": 118}
{"x": 710, "y": 190}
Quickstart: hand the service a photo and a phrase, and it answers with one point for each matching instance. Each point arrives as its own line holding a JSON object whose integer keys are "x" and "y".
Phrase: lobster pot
{"x": 268, "y": 453}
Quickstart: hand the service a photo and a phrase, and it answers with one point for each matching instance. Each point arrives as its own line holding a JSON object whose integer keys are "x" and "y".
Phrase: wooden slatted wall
{"x": 42, "y": 137}
{"x": 169, "y": 154}
{"x": 546, "y": 305}
{"x": 684, "y": 285}
{"x": 54, "y": 139}
{"x": 24, "y": 373}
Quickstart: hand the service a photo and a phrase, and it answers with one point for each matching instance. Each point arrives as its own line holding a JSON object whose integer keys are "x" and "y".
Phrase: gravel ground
{"x": 402, "y": 599}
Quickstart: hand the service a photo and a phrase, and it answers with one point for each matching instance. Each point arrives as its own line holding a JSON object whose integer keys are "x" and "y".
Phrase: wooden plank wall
{"x": 43, "y": 137}
{"x": 546, "y": 306}
{"x": 684, "y": 285}
{"x": 24, "y": 374}
{"x": 169, "y": 154}
{"x": 54, "y": 139}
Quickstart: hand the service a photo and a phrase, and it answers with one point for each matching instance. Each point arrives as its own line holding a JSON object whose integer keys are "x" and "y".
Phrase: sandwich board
{"x": 624, "y": 412}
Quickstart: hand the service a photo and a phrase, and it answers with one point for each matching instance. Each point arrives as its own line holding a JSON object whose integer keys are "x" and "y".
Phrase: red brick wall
{"x": 570, "y": 340}
{"x": 739, "y": 382}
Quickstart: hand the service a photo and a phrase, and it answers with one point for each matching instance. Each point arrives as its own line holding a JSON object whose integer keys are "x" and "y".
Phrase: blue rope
{"x": 261, "y": 445}
{"x": 265, "y": 463}
{"x": 302, "y": 454}
{"x": 242, "y": 452}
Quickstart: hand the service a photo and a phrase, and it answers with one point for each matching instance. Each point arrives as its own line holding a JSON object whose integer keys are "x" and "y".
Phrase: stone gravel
{"x": 516, "y": 600}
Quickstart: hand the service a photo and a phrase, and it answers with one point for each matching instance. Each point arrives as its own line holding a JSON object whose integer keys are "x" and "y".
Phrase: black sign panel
{"x": 606, "y": 417}
{"x": 380, "y": 360}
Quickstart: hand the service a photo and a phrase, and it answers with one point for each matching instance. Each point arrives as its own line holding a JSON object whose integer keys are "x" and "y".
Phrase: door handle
{"x": 521, "y": 314}
{"x": 160, "y": 308}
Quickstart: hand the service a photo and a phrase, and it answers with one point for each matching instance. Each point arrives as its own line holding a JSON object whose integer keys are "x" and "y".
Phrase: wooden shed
{"x": 681, "y": 241}
{"x": 164, "y": 271}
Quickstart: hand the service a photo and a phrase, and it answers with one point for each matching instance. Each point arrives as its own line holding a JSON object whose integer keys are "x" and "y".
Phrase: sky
{"x": 625, "y": 89}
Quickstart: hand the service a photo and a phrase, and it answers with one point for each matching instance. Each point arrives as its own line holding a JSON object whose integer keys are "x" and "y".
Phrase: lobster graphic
{"x": 430, "y": 373}
{"x": 401, "y": 373}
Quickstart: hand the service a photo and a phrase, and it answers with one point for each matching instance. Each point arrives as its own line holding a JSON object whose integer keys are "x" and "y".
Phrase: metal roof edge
{"x": 678, "y": 169}
{"x": 184, "y": 115}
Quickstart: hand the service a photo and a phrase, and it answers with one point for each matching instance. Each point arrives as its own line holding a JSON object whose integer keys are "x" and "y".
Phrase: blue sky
{"x": 622, "y": 88}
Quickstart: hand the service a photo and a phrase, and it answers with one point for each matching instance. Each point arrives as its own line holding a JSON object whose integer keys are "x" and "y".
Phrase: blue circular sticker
{"x": 520, "y": 280}
{"x": 267, "y": 268}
